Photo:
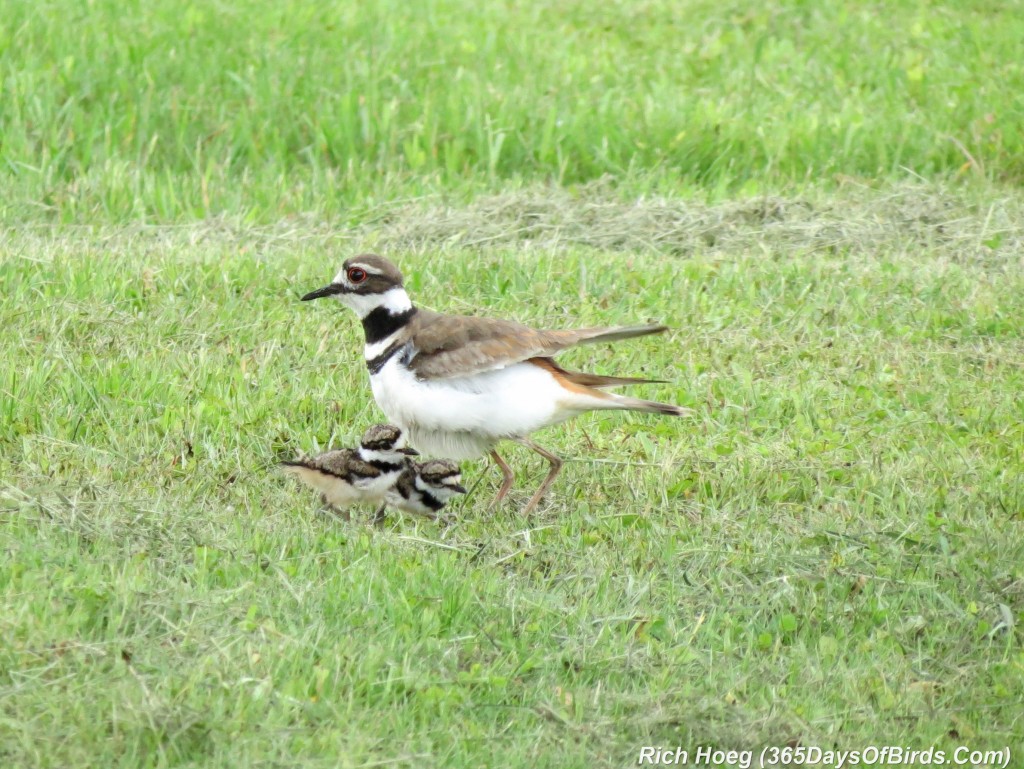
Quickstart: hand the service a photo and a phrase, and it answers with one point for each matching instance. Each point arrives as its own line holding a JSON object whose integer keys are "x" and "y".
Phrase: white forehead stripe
{"x": 361, "y": 266}
{"x": 342, "y": 276}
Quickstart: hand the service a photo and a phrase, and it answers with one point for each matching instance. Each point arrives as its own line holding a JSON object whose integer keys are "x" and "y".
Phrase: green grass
{"x": 162, "y": 111}
{"x": 829, "y": 552}
{"x": 821, "y": 198}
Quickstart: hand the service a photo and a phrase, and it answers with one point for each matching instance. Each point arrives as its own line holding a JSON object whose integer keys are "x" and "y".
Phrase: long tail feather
{"x": 596, "y": 380}
{"x": 592, "y": 380}
{"x": 615, "y": 334}
{"x": 651, "y": 407}
{"x": 589, "y": 384}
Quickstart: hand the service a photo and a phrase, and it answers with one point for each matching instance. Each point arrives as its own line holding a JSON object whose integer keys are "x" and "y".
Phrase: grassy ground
{"x": 818, "y": 197}
{"x": 830, "y": 552}
{"x": 115, "y": 110}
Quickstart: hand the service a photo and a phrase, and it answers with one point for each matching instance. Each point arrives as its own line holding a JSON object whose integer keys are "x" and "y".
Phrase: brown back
{"x": 461, "y": 345}
{"x": 343, "y": 463}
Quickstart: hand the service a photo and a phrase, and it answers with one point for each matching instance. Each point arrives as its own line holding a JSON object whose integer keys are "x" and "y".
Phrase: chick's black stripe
{"x": 379, "y": 324}
{"x": 385, "y": 467}
{"x": 349, "y": 476}
{"x": 431, "y": 501}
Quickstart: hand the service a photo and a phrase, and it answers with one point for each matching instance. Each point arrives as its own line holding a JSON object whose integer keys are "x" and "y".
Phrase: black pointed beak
{"x": 331, "y": 290}
{"x": 457, "y": 487}
{"x": 409, "y": 451}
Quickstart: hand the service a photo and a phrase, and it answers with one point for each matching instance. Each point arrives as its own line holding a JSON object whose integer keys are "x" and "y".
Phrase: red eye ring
{"x": 356, "y": 274}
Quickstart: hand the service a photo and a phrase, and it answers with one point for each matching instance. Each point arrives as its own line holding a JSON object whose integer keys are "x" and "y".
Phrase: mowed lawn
{"x": 830, "y": 551}
{"x": 821, "y": 199}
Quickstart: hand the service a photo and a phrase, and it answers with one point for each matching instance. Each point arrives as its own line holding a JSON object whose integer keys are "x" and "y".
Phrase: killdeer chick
{"x": 424, "y": 488}
{"x": 458, "y": 385}
{"x": 346, "y": 477}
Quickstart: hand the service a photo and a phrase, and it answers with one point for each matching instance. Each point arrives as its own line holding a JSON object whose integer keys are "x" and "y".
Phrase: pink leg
{"x": 507, "y": 480}
{"x": 556, "y": 467}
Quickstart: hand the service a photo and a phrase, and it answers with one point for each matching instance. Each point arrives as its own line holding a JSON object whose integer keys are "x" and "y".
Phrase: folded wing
{"x": 452, "y": 346}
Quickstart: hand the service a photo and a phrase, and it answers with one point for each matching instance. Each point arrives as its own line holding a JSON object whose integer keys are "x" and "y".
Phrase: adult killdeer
{"x": 424, "y": 488}
{"x": 345, "y": 477}
{"x": 458, "y": 385}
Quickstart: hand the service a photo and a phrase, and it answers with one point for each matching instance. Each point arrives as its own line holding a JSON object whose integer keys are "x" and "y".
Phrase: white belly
{"x": 342, "y": 495}
{"x": 374, "y": 489}
{"x": 339, "y": 494}
{"x": 463, "y": 417}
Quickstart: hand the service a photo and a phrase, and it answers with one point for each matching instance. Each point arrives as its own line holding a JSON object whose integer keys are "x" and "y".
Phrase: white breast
{"x": 411, "y": 505}
{"x": 463, "y": 417}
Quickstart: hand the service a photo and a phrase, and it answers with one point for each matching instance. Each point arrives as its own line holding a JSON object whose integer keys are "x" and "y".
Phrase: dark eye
{"x": 356, "y": 274}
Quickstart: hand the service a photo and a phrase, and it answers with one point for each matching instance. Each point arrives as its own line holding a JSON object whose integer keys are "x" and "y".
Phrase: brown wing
{"x": 345, "y": 463}
{"x": 452, "y": 345}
